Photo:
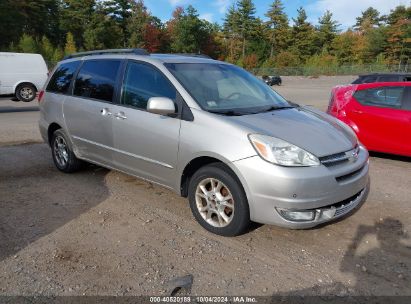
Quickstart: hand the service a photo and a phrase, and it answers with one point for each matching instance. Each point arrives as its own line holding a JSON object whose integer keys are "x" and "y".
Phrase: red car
{"x": 379, "y": 113}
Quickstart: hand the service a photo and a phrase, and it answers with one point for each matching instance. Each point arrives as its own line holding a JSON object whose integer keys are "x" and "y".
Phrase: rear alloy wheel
{"x": 26, "y": 92}
{"x": 217, "y": 200}
{"x": 63, "y": 156}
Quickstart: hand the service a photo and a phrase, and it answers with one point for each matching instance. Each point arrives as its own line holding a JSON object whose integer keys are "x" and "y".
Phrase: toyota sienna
{"x": 208, "y": 130}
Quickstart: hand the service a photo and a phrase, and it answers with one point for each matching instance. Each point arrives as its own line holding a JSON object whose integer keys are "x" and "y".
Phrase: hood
{"x": 307, "y": 128}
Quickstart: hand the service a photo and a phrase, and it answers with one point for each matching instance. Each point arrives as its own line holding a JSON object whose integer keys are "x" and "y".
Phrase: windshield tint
{"x": 226, "y": 89}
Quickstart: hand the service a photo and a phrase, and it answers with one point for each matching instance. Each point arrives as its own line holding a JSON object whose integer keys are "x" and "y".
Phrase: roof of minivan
{"x": 164, "y": 58}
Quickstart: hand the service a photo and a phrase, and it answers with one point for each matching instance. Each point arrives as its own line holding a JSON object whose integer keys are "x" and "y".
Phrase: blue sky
{"x": 345, "y": 11}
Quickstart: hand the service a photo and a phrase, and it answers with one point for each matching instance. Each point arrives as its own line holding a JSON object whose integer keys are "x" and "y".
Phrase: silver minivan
{"x": 209, "y": 131}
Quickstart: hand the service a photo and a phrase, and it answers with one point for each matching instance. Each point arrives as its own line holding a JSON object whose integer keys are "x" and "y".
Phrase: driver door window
{"x": 141, "y": 82}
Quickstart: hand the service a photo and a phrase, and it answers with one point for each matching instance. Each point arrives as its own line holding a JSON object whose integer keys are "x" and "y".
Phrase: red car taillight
{"x": 40, "y": 97}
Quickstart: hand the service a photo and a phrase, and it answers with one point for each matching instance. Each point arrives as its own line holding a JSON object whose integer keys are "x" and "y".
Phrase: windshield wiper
{"x": 228, "y": 113}
{"x": 275, "y": 108}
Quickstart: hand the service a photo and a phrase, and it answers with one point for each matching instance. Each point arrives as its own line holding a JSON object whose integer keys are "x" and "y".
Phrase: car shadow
{"x": 36, "y": 199}
{"x": 382, "y": 268}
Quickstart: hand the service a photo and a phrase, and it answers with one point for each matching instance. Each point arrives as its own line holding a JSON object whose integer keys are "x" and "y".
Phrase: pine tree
{"x": 27, "y": 44}
{"x": 247, "y": 21}
{"x": 102, "y": 32}
{"x": 303, "y": 36}
{"x": 188, "y": 33}
{"x": 231, "y": 29}
{"x": 70, "y": 46}
{"x": 398, "y": 13}
{"x": 121, "y": 11}
{"x": 327, "y": 31}
{"x": 137, "y": 24}
{"x": 76, "y": 16}
{"x": 399, "y": 42}
{"x": 46, "y": 49}
{"x": 368, "y": 19}
{"x": 278, "y": 27}
{"x": 57, "y": 55}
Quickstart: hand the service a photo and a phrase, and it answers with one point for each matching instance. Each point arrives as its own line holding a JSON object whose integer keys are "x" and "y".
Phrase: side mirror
{"x": 161, "y": 105}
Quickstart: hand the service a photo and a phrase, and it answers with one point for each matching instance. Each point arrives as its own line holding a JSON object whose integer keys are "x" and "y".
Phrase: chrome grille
{"x": 339, "y": 158}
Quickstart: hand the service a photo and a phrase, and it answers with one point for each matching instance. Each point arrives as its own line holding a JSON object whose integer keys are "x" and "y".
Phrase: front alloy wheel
{"x": 215, "y": 202}
{"x": 218, "y": 201}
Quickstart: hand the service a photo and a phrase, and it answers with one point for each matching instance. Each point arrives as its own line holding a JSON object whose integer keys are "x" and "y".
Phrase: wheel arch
{"x": 200, "y": 161}
{"x": 51, "y": 129}
{"x": 23, "y": 82}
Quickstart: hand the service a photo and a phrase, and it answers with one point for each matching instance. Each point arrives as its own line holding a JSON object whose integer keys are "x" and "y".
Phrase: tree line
{"x": 56, "y": 28}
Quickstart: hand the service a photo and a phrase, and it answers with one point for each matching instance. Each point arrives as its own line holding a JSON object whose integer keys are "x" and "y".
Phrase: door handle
{"x": 357, "y": 111}
{"x": 120, "y": 115}
{"x": 106, "y": 112}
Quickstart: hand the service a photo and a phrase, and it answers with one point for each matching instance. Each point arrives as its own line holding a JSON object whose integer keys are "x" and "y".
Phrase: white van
{"x": 22, "y": 74}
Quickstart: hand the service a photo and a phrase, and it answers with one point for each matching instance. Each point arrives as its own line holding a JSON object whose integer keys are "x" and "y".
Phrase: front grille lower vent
{"x": 349, "y": 175}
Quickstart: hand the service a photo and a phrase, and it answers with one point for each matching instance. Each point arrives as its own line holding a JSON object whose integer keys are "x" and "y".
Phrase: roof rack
{"x": 193, "y": 55}
{"x": 111, "y": 51}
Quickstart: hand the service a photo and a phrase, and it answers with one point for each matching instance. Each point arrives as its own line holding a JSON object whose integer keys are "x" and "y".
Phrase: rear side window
{"x": 406, "y": 99}
{"x": 369, "y": 79}
{"x": 388, "y": 78}
{"x": 384, "y": 97}
{"x": 141, "y": 82}
{"x": 358, "y": 80}
{"x": 96, "y": 79}
{"x": 61, "y": 79}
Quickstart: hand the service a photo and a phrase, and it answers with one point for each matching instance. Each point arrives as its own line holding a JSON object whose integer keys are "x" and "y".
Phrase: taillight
{"x": 40, "y": 97}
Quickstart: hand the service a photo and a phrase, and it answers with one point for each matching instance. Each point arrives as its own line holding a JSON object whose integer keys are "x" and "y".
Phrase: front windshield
{"x": 223, "y": 88}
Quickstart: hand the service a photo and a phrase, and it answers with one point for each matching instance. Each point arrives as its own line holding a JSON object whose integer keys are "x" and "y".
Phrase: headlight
{"x": 280, "y": 152}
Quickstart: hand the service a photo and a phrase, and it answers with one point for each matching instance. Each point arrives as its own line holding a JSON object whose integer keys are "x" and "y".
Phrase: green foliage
{"x": 70, "y": 46}
{"x": 46, "y": 49}
{"x": 137, "y": 24}
{"x": 303, "y": 36}
{"x": 189, "y": 32}
{"x": 246, "y": 21}
{"x": 278, "y": 28}
{"x": 27, "y": 44}
{"x": 102, "y": 32}
{"x": 326, "y": 31}
{"x": 76, "y": 16}
{"x": 121, "y": 11}
{"x": 57, "y": 27}
{"x": 58, "y": 54}
{"x": 369, "y": 18}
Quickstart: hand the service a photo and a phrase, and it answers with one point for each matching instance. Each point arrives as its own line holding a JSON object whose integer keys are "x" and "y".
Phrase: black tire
{"x": 26, "y": 92}
{"x": 241, "y": 215}
{"x": 71, "y": 163}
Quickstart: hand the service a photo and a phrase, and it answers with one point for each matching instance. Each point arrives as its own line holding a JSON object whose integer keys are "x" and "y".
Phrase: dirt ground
{"x": 101, "y": 232}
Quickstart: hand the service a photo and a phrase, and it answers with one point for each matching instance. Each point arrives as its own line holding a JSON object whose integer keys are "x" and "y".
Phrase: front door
{"x": 146, "y": 144}
{"x": 378, "y": 118}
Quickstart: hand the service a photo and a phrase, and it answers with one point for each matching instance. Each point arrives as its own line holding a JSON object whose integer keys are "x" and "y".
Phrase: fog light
{"x": 297, "y": 216}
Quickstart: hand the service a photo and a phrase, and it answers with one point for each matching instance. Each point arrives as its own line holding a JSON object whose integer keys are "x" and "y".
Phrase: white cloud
{"x": 222, "y": 5}
{"x": 178, "y": 2}
{"x": 207, "y": 16}
{"x": 346, "y": 11}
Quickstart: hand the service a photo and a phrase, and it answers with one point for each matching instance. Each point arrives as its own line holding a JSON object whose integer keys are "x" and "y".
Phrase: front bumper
{"x": 331, "y": 192}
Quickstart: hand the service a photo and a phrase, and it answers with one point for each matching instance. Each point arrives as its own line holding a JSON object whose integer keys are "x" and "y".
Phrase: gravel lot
{"x": 101, "y": 232}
